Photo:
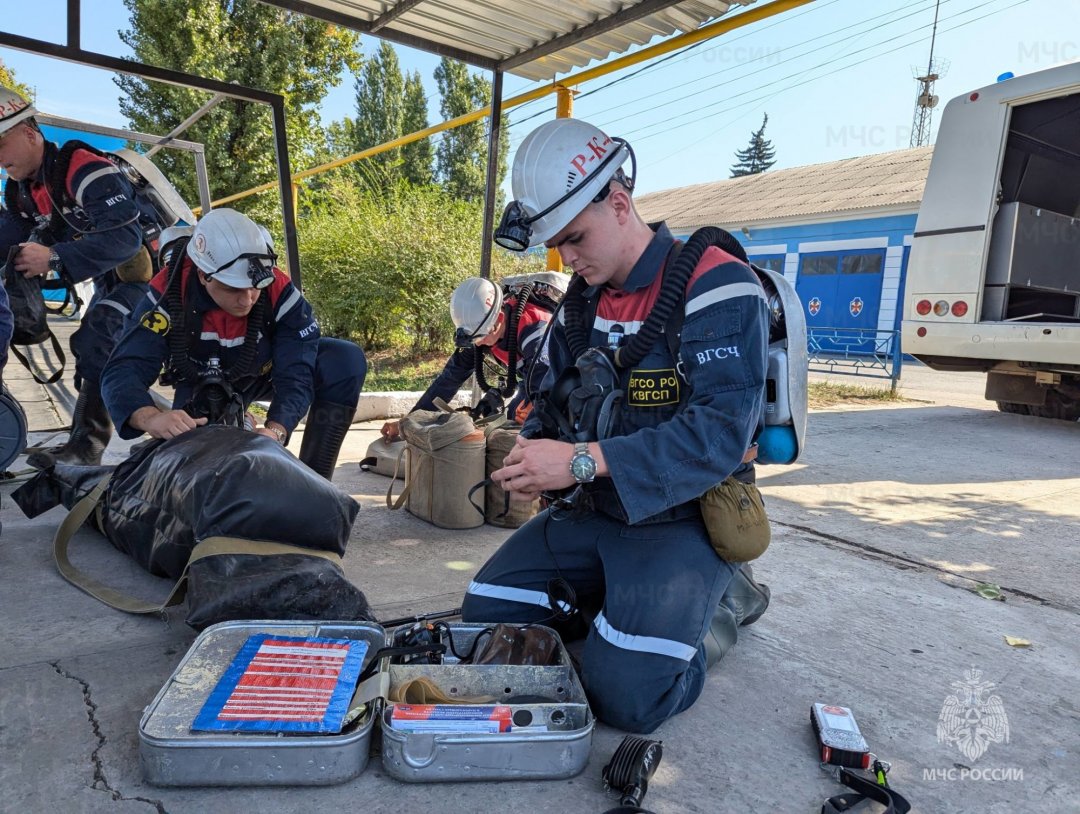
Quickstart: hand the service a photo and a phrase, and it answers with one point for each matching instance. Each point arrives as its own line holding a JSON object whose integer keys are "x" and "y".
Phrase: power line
{"x": 667, "y": 121}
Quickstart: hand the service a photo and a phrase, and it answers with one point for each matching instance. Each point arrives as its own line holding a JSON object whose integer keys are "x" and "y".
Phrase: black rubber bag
{"x": 30, "y": 318}
{"x": 27, "y": 306}
{"x": 220, "y": 482}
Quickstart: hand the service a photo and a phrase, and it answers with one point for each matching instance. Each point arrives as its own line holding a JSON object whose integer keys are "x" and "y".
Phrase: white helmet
{"x": 229, "y": 248}
{"x": 168, "y": 236}
{"x": 474, "y": 307}
{"x": 13, "y": 109}
{"x": 559, "y": 168}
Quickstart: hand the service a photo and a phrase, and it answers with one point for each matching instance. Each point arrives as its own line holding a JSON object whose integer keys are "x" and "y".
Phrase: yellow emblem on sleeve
{"x": 156, "y": 322}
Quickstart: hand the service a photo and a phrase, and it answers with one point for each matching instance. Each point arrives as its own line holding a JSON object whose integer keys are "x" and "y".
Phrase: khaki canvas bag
{"x": 444, "y": 458}
{"x": 497, "y": 510}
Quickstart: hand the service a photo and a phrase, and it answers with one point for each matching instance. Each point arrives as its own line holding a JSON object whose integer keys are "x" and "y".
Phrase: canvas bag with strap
{"x": 444, "y": 458}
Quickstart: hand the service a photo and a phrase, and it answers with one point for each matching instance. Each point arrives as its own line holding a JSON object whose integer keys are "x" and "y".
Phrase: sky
{"x": 835, "y": 77}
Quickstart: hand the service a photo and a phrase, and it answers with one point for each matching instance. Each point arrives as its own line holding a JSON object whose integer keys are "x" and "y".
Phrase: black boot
{"x": 745, "y": 598}
{"x": 324, "y": 432}
{"x": 91, "y": 429}
{"x": 721, "y": 636}
{"x": 743, "y": 602}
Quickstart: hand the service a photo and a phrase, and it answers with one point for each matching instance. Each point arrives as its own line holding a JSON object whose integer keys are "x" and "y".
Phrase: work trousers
{"x": 100, "y": 328}
{"x": 654, "y": 589}
{"x": 340, "y": 370}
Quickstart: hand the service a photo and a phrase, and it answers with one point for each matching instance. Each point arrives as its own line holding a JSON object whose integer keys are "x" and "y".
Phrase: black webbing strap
{"x": 57, "y": 350}
{"x": 864, "y": 789}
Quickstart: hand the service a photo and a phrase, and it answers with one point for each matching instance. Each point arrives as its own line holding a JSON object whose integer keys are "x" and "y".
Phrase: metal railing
{"x": 855, "y": 352}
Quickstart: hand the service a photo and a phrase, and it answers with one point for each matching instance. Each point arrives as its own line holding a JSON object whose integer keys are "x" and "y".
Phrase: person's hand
{"x": 534, "y": 466}
{"x": 33, "y": 259}
{"x": 390, "y": 432}
{"x": 168, "y": 424}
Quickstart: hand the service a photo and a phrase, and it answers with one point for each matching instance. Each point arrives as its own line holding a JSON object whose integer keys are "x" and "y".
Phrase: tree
{"x": 8, "y": 80}
{"x": 380, "y": 262}
{"x": 417, "y": 157}
{"x": 461, "y": 156}
{"x": 244, "y": 41}
{"x": 380, "y": 103}
{"x": 758, "y": 156}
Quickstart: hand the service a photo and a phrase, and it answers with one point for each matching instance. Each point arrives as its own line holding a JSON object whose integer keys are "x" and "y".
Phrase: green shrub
{"x": 380, "y": 262}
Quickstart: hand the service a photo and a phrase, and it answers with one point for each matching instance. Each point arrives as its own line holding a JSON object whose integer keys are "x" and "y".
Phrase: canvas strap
{"x": 209, "y": 547}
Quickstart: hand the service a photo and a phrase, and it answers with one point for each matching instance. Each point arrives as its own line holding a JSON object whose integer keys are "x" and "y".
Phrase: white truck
{"x": 993, "y": 280}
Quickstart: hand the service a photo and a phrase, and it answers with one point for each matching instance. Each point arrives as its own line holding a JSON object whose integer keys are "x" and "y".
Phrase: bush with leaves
{"x": 380, "y": 263}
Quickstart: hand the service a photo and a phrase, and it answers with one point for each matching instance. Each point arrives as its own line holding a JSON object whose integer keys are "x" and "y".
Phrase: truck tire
{"x": 1014, "y": 407}
{"x": 1058, "y": 406}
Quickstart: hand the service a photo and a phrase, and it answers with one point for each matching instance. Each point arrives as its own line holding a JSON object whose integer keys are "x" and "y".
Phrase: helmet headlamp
{"x": 260, "y": 268}
{"x": 514, "y": 231}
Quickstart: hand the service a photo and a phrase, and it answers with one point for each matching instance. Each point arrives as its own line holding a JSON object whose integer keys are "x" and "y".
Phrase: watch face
{"x": 583, "y": 467}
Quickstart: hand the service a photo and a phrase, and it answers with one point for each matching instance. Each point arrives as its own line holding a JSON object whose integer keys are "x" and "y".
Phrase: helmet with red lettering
{"x": 559, "y": 168}
{"x": 13, "y": 109}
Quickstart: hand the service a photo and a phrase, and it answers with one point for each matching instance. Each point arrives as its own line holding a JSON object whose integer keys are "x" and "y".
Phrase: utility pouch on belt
{"x": 734, "y": 515}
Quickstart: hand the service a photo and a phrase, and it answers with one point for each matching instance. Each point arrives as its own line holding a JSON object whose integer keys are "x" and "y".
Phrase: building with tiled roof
{"x": 840, "y": 231}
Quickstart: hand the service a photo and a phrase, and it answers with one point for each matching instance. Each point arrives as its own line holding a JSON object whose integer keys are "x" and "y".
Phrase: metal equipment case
{"x": 555, "y": 745}
{"x": 172, "y": 755}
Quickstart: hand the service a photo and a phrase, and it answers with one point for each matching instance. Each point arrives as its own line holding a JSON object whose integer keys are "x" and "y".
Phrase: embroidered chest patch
{"x": 653, "y": 388}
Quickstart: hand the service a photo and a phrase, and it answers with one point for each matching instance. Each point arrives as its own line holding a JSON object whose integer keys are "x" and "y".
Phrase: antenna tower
{"x": 926, "y": 101}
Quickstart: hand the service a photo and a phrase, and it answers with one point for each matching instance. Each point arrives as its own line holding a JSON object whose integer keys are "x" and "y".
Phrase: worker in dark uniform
{"x": 631, "y": 563}
{"x": 230, "y": 328}
{"x": 72, "y": 212}
{"x": 482, "y": 316}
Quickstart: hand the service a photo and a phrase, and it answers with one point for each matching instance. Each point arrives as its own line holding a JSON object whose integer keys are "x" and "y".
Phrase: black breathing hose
{"x": 672, "y": 293}
{"x": 523, "y": 295}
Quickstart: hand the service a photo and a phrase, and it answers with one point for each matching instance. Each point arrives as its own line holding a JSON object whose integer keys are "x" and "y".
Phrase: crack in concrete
{"x": 101, "y": 783}
{"x": 907, "y": 563}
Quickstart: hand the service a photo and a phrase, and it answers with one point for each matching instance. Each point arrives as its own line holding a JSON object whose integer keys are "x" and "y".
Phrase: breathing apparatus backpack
{"x": 543, "y": 289}
{"x": 585, "y": 399}
{"x": 158, "y": 202}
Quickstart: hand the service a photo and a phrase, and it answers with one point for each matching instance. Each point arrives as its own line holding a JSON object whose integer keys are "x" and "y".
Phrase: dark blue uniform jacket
{"x": 675, "y": 438}
{"x": 104, "y": 218}
{"x": 285, "y": 357}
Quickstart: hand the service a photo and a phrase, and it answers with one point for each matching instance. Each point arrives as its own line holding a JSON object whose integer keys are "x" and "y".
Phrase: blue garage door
{"x": 842, "y": 290}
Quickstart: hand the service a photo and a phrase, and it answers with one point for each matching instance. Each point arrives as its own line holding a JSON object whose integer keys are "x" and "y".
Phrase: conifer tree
{"x": 758, "y": 156}
{"x": 380, "y": 92}
{"x": 418, "y": 158}
{"x": 461, "y": 156}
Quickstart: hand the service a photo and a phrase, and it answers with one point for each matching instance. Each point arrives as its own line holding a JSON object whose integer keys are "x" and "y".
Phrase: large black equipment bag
{"x": 252, "y": 532}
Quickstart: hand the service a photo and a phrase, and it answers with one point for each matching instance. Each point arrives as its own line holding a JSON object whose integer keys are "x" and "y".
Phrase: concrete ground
{"x": 880, "y": 532}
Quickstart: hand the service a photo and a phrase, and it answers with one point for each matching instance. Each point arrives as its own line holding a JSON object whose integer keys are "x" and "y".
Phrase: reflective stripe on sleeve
{"x": 724, "y": 292}
{"x": 643, "y": 644}
{"x": 90, "y": 179}
{"x": 287, "y": 305}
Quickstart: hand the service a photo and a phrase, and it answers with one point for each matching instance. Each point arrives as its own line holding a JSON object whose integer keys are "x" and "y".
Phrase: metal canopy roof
{"x": 534, "y": 39}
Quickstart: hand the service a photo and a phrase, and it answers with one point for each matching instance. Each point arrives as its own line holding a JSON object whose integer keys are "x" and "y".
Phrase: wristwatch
{"x": 583, "y": 465}
{"x": 55, "y": 263}
{"x": 277, "y": 431}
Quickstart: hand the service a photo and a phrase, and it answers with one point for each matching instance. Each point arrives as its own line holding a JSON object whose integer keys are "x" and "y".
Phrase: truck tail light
{"x": 922, "y": 307}
{"x": 941, "y": 308}
{"x": 959, "y": 308}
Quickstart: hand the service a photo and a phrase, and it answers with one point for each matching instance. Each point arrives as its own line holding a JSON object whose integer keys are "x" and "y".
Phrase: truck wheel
{"x": 1058, "y": 406}
{"x": 1014, "y": 407}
